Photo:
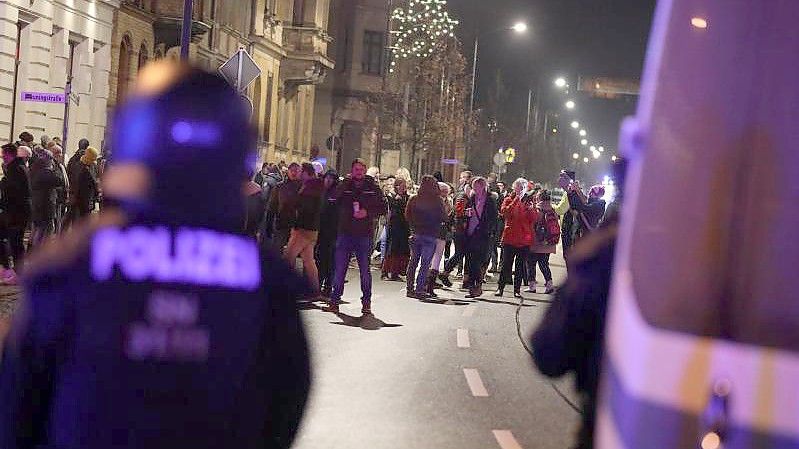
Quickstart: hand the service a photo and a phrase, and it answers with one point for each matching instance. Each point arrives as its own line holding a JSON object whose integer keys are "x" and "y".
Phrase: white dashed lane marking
{"x": 475, "y": 383}
{"x": 463, "y": 338}
{"x": 506, "y": 440}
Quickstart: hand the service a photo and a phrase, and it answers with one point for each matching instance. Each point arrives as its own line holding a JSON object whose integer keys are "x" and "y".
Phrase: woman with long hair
{"x": 425, "y": 213}
{"x": 397, "y": 232}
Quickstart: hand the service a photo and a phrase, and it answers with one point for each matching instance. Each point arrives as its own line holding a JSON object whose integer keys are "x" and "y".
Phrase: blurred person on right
{"x": 569, "y": 339}
{"x": 156, "y": 324}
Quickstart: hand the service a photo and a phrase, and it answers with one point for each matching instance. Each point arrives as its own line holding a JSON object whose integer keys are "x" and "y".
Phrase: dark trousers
{"x": 325, "y": 250}
{"x": 280, "y": 238}
{"x": 16, "y": 248}
{"x": 346, "y": 247}
{"x": 477, "y": 257}
{"x": 542, "y": 259}
{"x": 460, "y": 253}
{"x": 513, "y": 259}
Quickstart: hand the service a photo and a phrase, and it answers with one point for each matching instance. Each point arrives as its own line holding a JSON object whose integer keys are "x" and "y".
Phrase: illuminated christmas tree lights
{"x": 419, "y": 29}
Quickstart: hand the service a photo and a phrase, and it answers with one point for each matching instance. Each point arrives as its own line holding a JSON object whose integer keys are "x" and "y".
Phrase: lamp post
{"x": 185, "y": 37}
{"x": 519, "y": 28}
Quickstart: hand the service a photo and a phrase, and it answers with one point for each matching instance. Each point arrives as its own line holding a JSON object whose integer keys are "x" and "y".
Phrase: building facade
{"x": 343, "y": 104}
{"x": 286, "y": 38}
{"x": 52, "y": 47}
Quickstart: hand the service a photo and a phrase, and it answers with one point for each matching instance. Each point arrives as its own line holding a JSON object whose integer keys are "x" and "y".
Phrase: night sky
{"x": 566, "y": 38}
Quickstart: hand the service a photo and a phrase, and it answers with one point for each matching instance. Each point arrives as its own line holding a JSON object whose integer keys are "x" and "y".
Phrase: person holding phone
{"x": 517, "y": 236}
{"x": 360, "y": 203}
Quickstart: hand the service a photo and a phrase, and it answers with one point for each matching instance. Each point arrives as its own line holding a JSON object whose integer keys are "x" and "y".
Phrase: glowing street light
{"x": 596, "y": 154}
{"x": 613, "y": 158}
{"x": 592, "y": 148}
{"x": 584, "y": 142}
{"x": 570, "y": 104}
{"x": 601, "y": 149}
{"x": 560, "y": 83}
{"x": 575, "y": 124}
{"x": 699, "y": 22}
{"x": 583, "y": 133}
{"x": 519, "y": 27}
{"x": 576, "y": 156}
{"x": 554, "y": 130}
{"x": 585, "y": 159}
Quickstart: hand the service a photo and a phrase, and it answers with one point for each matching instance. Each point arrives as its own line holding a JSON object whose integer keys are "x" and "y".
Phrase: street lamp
{"x": 570, "y": 104}
{"x": 596, "y": 154}
{"x": 613, "y": 158}
{"x": 560, "y": 83}
{"x": 592, "y": 148}
{"x": 554, "y": 130}
{"x": 576, "y": 156}
{"x": 583, "y": 133}
{"x": 519, "y": 28}
{"x": 601, "y": 149}
{"x": 584, "y": 142}
{"x": 585, "y": 159}
{"x": 575, "y": 124}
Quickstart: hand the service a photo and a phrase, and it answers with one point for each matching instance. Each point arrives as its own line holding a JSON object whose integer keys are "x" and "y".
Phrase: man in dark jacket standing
{"x": 282, "y": 208}
{"x": 360, "y": 202}
{"x": 158, "y": 325}
{"x": 15, "y": 190}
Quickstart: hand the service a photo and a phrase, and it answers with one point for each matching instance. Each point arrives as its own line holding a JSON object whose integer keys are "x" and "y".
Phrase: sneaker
{"x": 517, "y": 294}
{"x": 531, "y": 288}
{"x": 333, "y": 308}
{"x": 366, "y": 309}
{"x": 412, "y": 294}
{"x": 549, "y": 288}
{"x": 459, "y": 276}
{"x": 475, "y": 293}
{"x": 445, "y": 280}
{"x": 384, "y": 276}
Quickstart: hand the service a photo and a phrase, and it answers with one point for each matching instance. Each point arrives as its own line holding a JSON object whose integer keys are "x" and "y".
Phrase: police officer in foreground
{"x": 157, "y": 324}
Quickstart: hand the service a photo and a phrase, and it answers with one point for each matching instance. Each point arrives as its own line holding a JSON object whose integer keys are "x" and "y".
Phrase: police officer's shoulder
{"x": 67, "y": 249}
{"x": 593, "y": 247}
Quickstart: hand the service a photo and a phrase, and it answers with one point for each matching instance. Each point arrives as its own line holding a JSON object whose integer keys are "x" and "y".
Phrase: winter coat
{"x": 309, "y": 205}
{"x": 487, "y": 220}
{"x": 542, "y": 247}
{"x": 45, "y": 183}
{"x": 519, "y": 216}
{"x": 254, "y": 207}
{"x": 368, "y": 194}
{"x": 61, "y": 191}
{"x": 15, "y": 191}
{"x": 328, "y": 216}
{"x": 593, "y": 210}
{"x": 86, "y": 191}
{"x": 398, "y": 230}
{"x": 283, "y": 204}
{"x": 425, "y": 219}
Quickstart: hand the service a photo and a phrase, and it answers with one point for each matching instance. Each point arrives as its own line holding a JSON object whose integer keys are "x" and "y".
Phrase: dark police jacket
{"x": 149, "y": 336}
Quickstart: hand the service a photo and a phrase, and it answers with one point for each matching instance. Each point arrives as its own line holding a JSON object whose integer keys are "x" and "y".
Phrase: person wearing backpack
{"x": 547, "y": 235}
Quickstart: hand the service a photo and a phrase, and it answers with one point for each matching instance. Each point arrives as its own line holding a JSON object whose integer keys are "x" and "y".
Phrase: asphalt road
{"x": 431, "y": 375}
{"x": 425, "y": 375}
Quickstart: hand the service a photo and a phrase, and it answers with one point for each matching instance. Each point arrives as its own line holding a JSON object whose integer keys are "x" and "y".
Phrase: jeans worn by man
{"x": 361, "y": 248}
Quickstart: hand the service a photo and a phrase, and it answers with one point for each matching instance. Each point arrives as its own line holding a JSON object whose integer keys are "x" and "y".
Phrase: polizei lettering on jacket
{"x": 187, "y": 256}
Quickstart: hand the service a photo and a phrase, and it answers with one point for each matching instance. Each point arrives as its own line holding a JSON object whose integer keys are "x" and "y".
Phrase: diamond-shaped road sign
{"x": 240, "y": 70}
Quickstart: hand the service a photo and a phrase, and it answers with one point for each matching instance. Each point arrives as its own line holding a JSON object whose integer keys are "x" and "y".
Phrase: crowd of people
{"x": 42, "y": 193}
{"x": 424, "y": 233}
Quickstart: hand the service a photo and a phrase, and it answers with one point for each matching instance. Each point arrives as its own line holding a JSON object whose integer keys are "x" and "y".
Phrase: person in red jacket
{"x": 519, "y": 214}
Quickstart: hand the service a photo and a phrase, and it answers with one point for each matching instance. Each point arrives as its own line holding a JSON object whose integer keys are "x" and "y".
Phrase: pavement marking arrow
{"x": 475, "y": 383}
{"x": 463, "y": 338}
{"x": 506, "y": 440}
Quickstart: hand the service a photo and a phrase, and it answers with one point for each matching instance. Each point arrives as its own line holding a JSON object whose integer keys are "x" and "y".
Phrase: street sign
{"x": 44, "y": 97}
{"x": 240, "y": 70}
{"x": 499, "y": 158}
{"x": 450, "y": 161}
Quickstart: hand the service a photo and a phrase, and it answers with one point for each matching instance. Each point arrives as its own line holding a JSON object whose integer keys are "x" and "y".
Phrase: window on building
{"x": 299, "y": 12}
{"x": 144, "y": 56}
{"x": 270, "y": 82}
{"x": 123, "y": 69}
{"x": 373, "y": 51}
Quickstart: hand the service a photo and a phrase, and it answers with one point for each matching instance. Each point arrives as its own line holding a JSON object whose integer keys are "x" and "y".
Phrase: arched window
{"x": 123, "y": 69}
{"x": 143, "y": 56}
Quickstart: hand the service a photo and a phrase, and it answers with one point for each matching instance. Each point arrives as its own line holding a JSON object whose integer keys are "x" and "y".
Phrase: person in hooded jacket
{"x": 326, "y": 244}
{"x": 45, "y": 183}
{"x": 156, "y": 324}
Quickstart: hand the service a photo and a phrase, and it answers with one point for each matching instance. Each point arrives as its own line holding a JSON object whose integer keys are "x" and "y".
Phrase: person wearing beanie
{"x": 159, "y": 324}
{"x": 326, "y": 243}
